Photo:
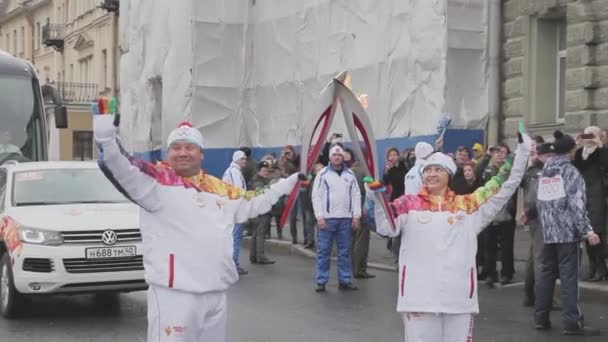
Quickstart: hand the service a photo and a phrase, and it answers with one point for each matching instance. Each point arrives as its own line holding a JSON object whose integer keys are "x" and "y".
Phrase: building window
{"x": 82, "y": 145}
{"x": 86, "y": 66}
{"x": 38, "y": 36}
{"x": 547, "y": 71}
{"x": 104, "y": 70}
{"x": 562, "y": 54}
{"x": 22, "y": 39}
{"x": 155, "y": 92}
{"x": 14, "y": 42}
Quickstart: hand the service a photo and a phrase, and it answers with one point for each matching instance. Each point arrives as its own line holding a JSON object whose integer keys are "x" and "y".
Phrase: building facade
{"x": 554, "y": 65}
{"x": 74, "y": 45}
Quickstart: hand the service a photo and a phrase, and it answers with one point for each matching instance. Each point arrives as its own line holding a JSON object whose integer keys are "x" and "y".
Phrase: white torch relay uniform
{"x": 437, "y": 289}
{"x": 186, "y": 229}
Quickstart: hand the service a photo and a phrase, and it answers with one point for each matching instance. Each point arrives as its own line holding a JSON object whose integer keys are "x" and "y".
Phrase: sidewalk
{"x": 381, "y": 259}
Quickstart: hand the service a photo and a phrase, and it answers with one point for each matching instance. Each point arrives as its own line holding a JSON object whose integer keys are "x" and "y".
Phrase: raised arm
{"x": 487, "y": 201}
{"x": 399, "y": 208}
{"x": 256, "y": 202}
{"x": 134, "y": 178}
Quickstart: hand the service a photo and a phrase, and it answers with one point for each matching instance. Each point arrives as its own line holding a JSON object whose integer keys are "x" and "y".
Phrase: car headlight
{"x": 40, "y": 236}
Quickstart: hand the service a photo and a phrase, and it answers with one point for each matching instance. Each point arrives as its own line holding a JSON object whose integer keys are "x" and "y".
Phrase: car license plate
{"x": 111, "y": 252}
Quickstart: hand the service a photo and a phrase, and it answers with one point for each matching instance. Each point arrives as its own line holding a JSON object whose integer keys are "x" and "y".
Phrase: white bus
{"x": 23, "y": 131}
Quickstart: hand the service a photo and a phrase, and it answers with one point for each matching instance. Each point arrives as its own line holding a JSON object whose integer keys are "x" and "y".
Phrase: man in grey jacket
{"x": 529, "y": 185}
{"x": 564, "y": 221}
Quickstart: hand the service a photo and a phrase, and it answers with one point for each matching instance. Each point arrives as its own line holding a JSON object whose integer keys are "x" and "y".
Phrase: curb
{"x": 287, "y": 248}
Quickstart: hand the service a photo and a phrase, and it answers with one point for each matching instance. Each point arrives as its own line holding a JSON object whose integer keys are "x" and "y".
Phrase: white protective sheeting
{"x": 247, "y": 72}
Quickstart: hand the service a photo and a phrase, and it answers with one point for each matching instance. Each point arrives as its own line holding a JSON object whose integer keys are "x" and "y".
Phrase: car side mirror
{"x": 61, "y": 117}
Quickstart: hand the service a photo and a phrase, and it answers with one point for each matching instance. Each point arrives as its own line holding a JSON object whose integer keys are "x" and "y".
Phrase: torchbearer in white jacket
{"x": 186, "y": 221}
{"x": 437, "y": 289}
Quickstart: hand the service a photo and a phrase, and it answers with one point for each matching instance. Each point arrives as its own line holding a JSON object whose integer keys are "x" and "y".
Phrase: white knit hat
{"x": 441, "y": 160}
{"x": 238, "y": 155}
{"x": 185, "y": 133}
{"x": 423, "y": 150}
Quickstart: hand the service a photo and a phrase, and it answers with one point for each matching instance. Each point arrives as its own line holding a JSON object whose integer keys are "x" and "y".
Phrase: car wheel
{"x": 10, "y": 299}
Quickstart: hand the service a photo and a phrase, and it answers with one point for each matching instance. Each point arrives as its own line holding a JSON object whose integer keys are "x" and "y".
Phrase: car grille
{"x": 94, "y": 236}
{"x": 38, "y": 265}
{"x": 104, "y": 265}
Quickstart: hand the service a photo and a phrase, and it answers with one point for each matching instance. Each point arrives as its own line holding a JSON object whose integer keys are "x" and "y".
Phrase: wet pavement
{"x": 277, "y": 303}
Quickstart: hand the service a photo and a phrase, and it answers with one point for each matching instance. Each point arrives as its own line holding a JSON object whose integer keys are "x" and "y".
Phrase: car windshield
{"x": 63, "y": 186}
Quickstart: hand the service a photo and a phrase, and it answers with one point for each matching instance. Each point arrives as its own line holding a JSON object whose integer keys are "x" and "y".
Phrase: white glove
{"x": 103, "y": 128}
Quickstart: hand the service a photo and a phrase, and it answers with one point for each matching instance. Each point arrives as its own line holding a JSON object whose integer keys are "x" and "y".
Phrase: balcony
{"x": 110, "y": 5}
{"x": 53, "y": 36}
{"x": 78, "y": 93}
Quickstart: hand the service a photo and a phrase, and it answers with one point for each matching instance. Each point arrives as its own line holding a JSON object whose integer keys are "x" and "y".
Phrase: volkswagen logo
{"x": 109, "y": 237}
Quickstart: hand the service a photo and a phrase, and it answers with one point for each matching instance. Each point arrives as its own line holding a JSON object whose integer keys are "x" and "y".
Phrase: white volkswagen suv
{"x": 64, "y": 229}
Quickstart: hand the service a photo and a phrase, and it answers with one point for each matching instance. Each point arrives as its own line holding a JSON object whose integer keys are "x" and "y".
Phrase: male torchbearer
{"x": 187, "y": 217}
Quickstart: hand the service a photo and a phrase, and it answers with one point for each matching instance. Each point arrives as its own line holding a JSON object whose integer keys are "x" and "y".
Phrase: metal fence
{"x": 78, "y": 92}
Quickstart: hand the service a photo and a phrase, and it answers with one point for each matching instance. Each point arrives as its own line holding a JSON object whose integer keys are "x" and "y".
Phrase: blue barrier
{"x": 217, "y": 159}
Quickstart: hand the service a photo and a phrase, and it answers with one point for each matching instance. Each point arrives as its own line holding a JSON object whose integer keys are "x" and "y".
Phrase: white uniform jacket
{"x": 186, "y": 225}
{"x": 234, "y": 176}
{"x": 336, "y": 195}
{"x": 413, "y": 178}
{"x": 437, "y": 271}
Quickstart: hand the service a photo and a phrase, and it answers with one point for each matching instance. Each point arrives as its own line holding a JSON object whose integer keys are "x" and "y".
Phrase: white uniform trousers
{"x": 179, "y": 316}
{"x": 430, "y": 327}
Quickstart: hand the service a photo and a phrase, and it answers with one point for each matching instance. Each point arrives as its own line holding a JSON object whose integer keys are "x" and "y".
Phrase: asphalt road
{"x": 277, "y": 303}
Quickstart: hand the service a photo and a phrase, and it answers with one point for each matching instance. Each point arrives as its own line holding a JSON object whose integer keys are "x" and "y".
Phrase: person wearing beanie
{"x": 234, "y": 176}
{"x": 563, "y": 217}
{"x": 336, "y": 203}
{"x": 186, "y": 219}
{"x": 592, "y": 162}
{"x": 437, "y": 287}
{"x": 413, "y": 178}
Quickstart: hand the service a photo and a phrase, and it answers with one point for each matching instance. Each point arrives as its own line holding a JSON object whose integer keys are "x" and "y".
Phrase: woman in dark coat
{"x": 592, "y": 161}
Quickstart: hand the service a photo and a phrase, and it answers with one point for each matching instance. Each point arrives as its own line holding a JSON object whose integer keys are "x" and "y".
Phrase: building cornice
{"x": 25, "y": 7}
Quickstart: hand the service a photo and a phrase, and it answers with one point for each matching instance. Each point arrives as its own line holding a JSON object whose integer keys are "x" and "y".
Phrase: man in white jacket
{"x": 234, "y": 176}
{"x": 186, "y": 222}
{"x": 437, "y": 289}
{"x": 336, "y": 203}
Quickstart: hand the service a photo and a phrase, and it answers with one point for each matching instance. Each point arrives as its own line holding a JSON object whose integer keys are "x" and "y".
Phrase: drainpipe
{"x": 494, "y": 46}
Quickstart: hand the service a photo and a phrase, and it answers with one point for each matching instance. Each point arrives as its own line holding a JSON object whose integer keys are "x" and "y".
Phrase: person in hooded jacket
{"x": 592, "y": 161}
{"x": 437, "y": 292}
{"x": 234, "y": 176}
{"x": 563, "y": 217}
